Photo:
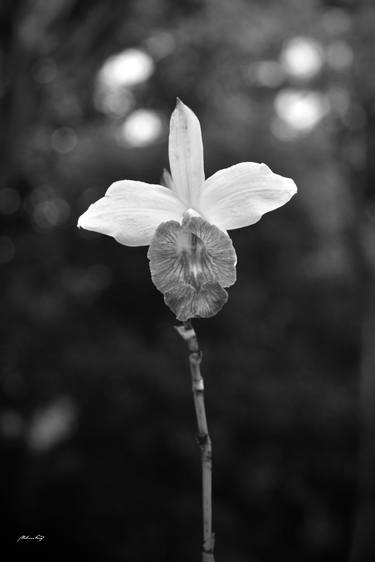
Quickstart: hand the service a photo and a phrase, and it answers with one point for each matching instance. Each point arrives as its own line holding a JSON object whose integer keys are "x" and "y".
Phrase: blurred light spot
{"x": 339, "y": 99}
{"x": 320, "y": 530}
{"x": 11, "y": 424}
{"x": 268, "y": 73}
{"x": 41, "y": 193}
{"x": 7, "y": 249}
{"x": 336, "y": 21}
{"x": 86, "y": 284}
{"x": 161, "y": 44}
{"x": 339, "y": 55}
{"x": 9, "y": 201}
{"x": 302, "y": 58}
{"x": 100, "y": 276}
{"x": 328, "y": 262}
{"x": 128, "y": 68}
{"x": 64, "y": 140}
{"x": 142, "y": 127}
{"x": 50, "y": 213}
{"x": 89, "y": 195}
{"x": 45, "y": 71}
{"x": 47, "y": 306}
{"x": 119, "y": 73}
{"x": 282, "y": 130}
{"x": 51, "y": 425}
{"x": 301, "y": 109}
{"x": 117, "y": 101}
{"x": 69, "y": 106}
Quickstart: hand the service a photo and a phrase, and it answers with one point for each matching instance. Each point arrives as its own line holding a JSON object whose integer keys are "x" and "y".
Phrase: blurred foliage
{"x": 97, "y": 421}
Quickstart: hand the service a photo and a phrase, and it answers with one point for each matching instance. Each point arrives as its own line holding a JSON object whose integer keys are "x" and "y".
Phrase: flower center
{"x": 193, "y": 257}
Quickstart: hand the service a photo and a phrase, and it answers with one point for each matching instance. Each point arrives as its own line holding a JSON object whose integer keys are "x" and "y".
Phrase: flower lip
{"x": 194, "y": 259}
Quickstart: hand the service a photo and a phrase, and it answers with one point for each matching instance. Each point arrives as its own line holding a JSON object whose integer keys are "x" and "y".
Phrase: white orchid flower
{"x": 191, "y": 256}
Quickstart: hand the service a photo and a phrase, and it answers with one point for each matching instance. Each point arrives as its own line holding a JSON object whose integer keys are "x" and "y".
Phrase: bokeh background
{"x": 97, "y": 423}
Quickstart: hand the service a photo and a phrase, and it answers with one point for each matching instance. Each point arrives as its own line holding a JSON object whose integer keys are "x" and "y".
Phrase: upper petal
{"x": 167, "y": 180}
{"x": 131, "y": 211}
{"x": 186, "y": 153}
{"x": 238, "y": 196}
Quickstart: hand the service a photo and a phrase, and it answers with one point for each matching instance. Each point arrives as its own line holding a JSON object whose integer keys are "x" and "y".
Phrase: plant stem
{"x": 187, "y": 332}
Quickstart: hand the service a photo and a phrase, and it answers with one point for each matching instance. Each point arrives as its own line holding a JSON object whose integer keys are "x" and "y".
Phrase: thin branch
{"x": 187, "y": 332}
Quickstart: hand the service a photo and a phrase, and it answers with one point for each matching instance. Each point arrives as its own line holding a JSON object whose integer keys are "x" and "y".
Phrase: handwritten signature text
{"x": 28, "y": 538}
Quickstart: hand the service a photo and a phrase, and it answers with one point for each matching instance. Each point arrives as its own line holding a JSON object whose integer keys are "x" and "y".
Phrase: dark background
{"x": 97, "y": 425}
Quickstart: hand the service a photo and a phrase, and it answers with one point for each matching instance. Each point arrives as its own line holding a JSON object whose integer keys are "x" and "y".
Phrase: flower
{"x": 185, "y": 222}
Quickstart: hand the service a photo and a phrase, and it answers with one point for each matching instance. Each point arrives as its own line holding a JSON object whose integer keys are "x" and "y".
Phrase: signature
{"x": 28, "y": 538}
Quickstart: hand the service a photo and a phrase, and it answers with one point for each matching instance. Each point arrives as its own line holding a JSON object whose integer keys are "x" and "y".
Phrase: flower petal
{"x": 131, "y": 211}
{"x": 188, "y": 303}
{"x": 166, "y": 180}
{"x": 186, "y": 153}
{"x": 238, "y": 196}
{"x": 218, "y": 246}
{"x": 190, "y": 264}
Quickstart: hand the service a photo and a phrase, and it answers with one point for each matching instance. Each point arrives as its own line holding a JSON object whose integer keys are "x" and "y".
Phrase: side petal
{"x": 186, "y": 153}
{"x": 131, "y": 211}
{"x": 238, "y": 196}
